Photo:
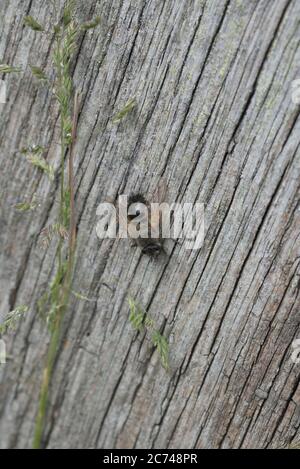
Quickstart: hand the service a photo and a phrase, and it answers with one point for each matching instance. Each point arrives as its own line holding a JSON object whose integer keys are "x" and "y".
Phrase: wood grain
{"x": 212, "y": 80}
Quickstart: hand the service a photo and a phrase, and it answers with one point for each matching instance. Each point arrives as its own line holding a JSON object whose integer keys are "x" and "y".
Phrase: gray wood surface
{"x": 213, "y": 83}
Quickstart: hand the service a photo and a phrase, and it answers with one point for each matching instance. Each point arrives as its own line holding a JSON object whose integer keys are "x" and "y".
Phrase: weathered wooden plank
{"x": 212, "y": 80}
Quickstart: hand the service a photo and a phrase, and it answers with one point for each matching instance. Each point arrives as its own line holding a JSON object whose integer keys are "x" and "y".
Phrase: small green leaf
{"x": 32, "y": 23}
{"x": 129, "y": 106}
{"x": 48, "y": 233}
{"x": 149, "y": 323}
{"x": 91, "y": 24}
{"x": 34, "y": 149}
{"x": 82, "y": 297}
{"x": 23, "y": 207}
{"x": 136, "y": 315}
{"x": 8, "y": 69}
{"x": 12, "y": 318}
{"x": 68, "y": 12}
{"x": 27, "y": 206}
{"x": 34, "y": 156}
{"x": 50, "y": 302}
{"x": 160, "y": 342}
{"x": 38, "y": 73}
{"x": 140, "y": 320}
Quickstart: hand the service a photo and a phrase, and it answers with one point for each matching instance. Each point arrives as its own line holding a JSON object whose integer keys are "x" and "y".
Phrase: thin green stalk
{"x": 56, "y": 330}
{"x": 66, "y": 291}
{"x": 66, "y": 32}
{"x": 72, "y": 239}
{"x": 62, "y": 299}
{"x": 47, "y": 373}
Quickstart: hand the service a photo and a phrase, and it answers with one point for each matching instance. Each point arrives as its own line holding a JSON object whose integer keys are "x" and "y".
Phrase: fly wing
{"x": 160, "y": 192}
{"x": 158, "y": 197}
